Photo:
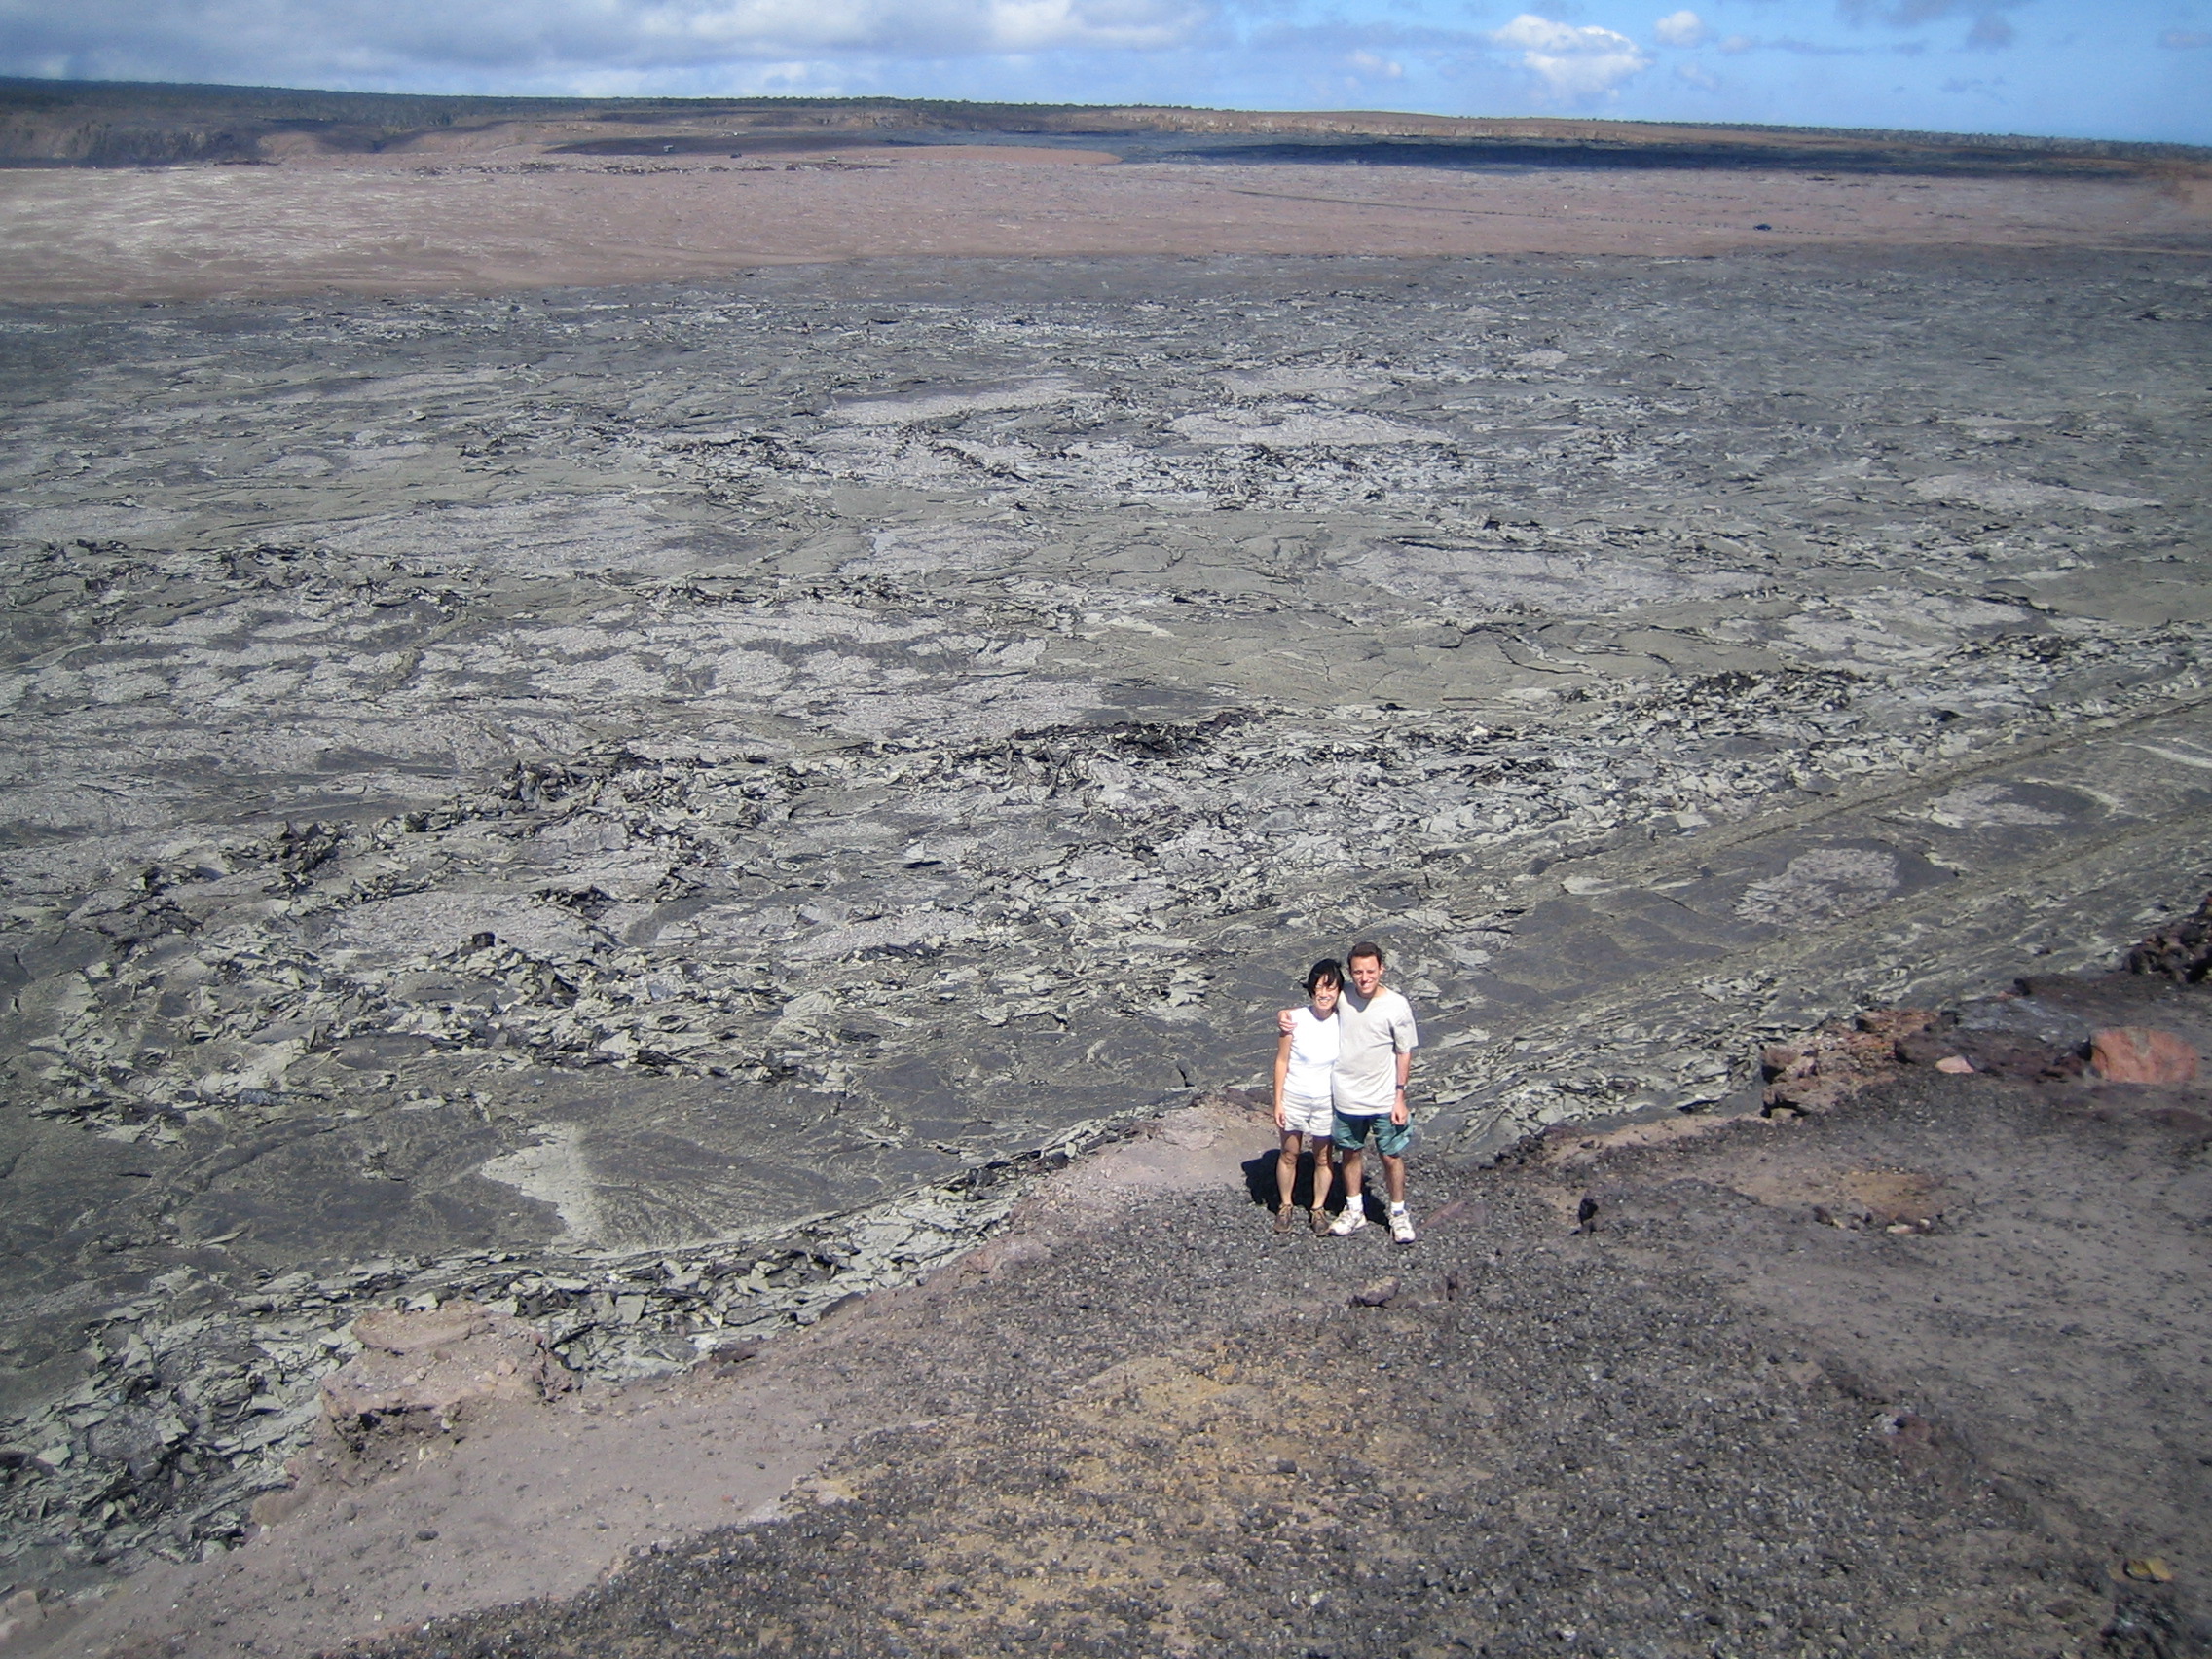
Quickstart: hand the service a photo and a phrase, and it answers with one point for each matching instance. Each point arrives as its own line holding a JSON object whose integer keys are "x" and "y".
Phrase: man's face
{"x": 1366, "y": 974}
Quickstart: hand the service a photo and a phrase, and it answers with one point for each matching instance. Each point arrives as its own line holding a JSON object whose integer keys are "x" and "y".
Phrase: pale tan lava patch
{"x": 1776, "y": 1173}
{"x": 1875, "y": 1197}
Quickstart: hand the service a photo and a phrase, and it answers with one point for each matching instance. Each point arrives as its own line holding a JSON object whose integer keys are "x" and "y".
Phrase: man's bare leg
{"x": 1353, "y": 1170}
{"x": 1394, "y": 1175}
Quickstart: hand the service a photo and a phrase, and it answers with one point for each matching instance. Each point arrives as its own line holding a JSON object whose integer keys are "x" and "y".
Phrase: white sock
{"x": 1398, "y": 1208}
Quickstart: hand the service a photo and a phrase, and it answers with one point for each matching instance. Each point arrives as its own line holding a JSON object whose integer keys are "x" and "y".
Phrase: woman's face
{"x": 1325, "y": 998}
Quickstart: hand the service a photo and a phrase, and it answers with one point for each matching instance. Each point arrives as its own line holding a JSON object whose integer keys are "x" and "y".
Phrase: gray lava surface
{"x": 654, "y": 808}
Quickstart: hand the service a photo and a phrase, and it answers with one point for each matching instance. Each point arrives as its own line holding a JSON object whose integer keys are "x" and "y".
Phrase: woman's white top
{"x": 1312, "y": 1055}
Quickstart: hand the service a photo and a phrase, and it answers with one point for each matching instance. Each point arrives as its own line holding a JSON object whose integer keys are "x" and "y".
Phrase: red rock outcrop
{"x": 2141, "y": 1054}
{"x": 1815, "y": 1072}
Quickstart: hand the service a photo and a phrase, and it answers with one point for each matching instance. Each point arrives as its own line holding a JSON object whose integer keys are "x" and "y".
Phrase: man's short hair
{"x": 1365, "y": 947}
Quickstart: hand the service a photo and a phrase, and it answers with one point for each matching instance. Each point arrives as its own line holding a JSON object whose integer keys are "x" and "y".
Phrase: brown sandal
{"x": 1283, "y": 1219}
{"x": 1321, "y": 1222}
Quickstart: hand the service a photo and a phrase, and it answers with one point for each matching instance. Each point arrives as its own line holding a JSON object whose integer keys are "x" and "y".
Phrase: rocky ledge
{"x": 1916, "y": 1371}
{"x": 1903, "y": 1358}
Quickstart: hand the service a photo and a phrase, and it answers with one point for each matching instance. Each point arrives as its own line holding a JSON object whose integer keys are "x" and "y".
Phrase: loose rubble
{"x": 2019, "y": 1034}
{"x": 2182, "y": 952}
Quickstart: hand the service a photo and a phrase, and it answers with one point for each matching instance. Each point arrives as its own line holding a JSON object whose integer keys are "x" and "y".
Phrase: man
{"x": 1375, "y": 1055}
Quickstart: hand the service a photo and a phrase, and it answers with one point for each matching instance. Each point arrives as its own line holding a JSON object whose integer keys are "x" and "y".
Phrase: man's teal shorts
{"x": 1390, "y": 1139}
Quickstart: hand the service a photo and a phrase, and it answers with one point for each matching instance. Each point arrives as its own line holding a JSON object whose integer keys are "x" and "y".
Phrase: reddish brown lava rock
{"x": 432, "y": 1364}
{"x": 1819, "y": 1070}
{"x": 1815, "y": 1072}
{"x": 2141, "y": 1054}
{"x": 2182, "y": 952}
{"x": 1996, "y": 1053}
{"x": 1896, "y": 1024}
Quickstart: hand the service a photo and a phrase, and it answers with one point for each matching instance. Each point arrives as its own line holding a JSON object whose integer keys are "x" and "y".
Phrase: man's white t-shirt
{"x": 1371, "y": 1035}
{"x": 1313, "y": 1043}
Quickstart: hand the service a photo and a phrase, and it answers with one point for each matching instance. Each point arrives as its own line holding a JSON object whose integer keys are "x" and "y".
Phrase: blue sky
{"x": 2116, "y": 69}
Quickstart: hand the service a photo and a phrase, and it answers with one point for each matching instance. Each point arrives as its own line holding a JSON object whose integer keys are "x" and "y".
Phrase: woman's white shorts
{"x": 1308, "y": 1116}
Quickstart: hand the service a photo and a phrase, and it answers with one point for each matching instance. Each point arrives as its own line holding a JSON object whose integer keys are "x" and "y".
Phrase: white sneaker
{"x": 1401, "y": 1224}
{"x": 1351, "y": 1222}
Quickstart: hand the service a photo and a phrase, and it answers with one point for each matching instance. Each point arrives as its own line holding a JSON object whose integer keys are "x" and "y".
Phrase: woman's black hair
{"x": 1325, "y": 973}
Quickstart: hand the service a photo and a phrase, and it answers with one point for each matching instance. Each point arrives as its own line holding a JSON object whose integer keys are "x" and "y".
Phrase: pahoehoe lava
{"x": 656, "y": 807}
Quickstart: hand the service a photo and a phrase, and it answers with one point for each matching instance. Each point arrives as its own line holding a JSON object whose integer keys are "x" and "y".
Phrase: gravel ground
{"x": 1689, "y": 1415}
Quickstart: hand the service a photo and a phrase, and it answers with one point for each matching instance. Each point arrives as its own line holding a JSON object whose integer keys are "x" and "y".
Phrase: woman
{"x": 1303, "y": 1111}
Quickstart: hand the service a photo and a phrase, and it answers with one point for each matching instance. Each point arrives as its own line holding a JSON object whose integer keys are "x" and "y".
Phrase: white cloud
{"x": 826, "y": 78}
{"x": 1698, "y": 76}
{"x": 1368, "y": 65}
{"x": 1572, "y": 61}
{"x": 1682, "y": 28}
{"x": 339, "y": 40}
{"x": 2185, "y": 40}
